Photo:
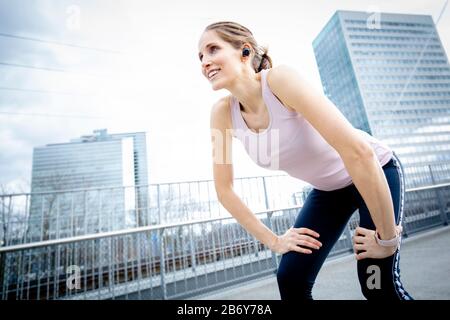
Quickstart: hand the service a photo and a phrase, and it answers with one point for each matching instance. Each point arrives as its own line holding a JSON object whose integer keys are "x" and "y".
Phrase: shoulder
{"x": 280, "y": 75}
{"x": 221, "y": 112}
{"x": 279, "y": 79}
{"x": 222, "y": 106}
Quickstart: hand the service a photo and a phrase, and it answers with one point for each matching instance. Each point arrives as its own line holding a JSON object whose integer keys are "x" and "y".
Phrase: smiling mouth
{"x": 213, "y": 74}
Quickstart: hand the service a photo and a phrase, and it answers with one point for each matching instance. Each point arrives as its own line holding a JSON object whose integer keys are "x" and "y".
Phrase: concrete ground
{"x": 424, "y": 265}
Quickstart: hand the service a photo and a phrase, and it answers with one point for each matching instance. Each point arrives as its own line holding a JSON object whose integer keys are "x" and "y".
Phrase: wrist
{"x": 386, "y": 234}
{"x": 389, "y": 242}
{"x": 273, "y": 245}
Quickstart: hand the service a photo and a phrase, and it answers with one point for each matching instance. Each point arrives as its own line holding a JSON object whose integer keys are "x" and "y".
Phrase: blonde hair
{"x": 237, "y": 35}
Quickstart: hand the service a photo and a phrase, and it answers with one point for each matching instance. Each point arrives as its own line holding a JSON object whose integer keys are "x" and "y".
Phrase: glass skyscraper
{"x": 88, "y": 185}
{"x": 390, "y": 76}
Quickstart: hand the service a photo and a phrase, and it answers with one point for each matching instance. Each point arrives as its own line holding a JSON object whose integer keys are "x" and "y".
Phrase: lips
{"x": 213, "y": 73}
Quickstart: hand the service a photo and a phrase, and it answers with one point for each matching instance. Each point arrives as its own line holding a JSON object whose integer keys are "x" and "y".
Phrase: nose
{"x": 205, "y": 64}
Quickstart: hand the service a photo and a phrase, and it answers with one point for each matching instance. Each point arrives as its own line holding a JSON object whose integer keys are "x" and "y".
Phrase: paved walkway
{"x": 424, "y": 265}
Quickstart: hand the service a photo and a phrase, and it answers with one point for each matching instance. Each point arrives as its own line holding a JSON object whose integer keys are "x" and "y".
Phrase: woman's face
{"x": 219, "y": 60}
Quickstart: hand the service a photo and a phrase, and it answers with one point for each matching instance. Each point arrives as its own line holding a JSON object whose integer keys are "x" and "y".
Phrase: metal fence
{"x": 41, "y": 216}
{"x": 173, "y": 260}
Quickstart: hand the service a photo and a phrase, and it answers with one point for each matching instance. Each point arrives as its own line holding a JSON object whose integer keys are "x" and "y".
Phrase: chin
{"x": 217, "y": 86}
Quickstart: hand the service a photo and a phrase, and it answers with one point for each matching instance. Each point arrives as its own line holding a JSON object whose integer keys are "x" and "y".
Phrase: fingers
{"x": 362, "y": 255}
{"x": 304, "y": 237}
{"x": 300, "y": 249}
{"x": 359, "y": 247}
{"x": 301, "y": 240}
{"x": 362, "y": 231}
{"x": 309, "y": 239}
{"x": 359, "y": 231}
{"x": 359, "y": 239}
{"x": 305, "y": 242}
{"x": 307, "y": 231}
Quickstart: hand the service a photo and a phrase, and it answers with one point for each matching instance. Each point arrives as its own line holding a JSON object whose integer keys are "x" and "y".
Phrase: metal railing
{"x": 173, "y": 260}
{"x": 41, "y": 216}
{"x": 160, "y": 261}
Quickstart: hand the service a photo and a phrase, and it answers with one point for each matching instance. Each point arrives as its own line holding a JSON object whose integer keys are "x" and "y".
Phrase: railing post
{"x": 348, "y": 235}
{"x": 269, "y": 221}
{"x": 269, "y": 225}
{"x": 2, "y": 274}
{"x": 162, "y": 265}
{"x": 266, "y": 199}
{"x": 159, "y": 204}
{"x": 2, "y": 255}
{"x": 192, "y": 247}
{"x": 439, "y": 198}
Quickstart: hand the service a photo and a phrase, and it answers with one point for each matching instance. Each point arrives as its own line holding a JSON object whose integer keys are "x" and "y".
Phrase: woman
{"x": 286, "y": 125}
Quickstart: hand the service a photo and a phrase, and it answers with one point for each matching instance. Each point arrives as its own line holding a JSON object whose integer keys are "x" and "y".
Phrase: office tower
{"x": 390, "y": 76}
{"x": 88, "y": 185}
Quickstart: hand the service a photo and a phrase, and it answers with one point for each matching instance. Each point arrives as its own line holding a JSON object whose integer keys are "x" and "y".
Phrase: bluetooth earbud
{"x": 245, "y": 52}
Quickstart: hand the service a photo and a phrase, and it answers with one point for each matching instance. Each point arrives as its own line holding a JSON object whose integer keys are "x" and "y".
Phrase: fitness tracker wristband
{"x": 387, "y": 243}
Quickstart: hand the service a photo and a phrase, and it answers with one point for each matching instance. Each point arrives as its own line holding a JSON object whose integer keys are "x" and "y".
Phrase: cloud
{"x": 155, "y": 85}
{"x": 26, "y": 17}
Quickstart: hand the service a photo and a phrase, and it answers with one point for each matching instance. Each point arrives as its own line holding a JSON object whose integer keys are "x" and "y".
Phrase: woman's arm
{"x": 223, "y": 180}
{"x": 358, "y": 157}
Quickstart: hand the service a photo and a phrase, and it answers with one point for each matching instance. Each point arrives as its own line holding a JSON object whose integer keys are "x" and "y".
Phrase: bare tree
{"x": 6, "y": 215}
{"x": 49, "y": 185}
{"x": 175, "y": 206}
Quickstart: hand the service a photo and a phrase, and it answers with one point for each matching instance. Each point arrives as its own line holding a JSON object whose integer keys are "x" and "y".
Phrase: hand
{"x": 365, "y": 245}
{"x": 296, "y": 239}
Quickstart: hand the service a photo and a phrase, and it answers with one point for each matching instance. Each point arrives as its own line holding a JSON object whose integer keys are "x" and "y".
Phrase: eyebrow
{"x": 207, "y": 46}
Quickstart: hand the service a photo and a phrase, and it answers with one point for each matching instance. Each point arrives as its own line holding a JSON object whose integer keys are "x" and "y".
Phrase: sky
{"x": 70, "y": 67}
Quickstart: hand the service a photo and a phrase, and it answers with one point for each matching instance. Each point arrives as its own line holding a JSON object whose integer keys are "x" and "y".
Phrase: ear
{"x": 248, "y": 46}
{"x": 246, "y": 51}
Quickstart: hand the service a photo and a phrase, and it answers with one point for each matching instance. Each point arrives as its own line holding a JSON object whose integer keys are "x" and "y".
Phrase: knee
{"x": 384, "y": 293}
{"x": 370, "y": 293}
{"x": 293, "y": 286}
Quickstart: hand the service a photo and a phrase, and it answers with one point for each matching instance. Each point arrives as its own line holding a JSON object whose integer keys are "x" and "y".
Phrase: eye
{"x": 211, "y": 49}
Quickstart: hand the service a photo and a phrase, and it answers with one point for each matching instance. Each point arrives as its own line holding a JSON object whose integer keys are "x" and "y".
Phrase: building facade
{"x": 91, "y": 184}
{"x": 390, "y": 76}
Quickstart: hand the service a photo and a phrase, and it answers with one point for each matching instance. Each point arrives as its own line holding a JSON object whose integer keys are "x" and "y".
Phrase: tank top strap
{"x": 272, "y": 102}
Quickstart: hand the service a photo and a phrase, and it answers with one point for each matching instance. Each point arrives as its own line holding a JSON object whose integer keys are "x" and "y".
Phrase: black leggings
{"x": 327, "y": 212}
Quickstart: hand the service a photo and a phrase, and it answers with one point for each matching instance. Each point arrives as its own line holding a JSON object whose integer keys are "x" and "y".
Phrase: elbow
{"x": 367, "y": 152}
{"x": 222, "y": 194}
{"x": 359, "y": 153}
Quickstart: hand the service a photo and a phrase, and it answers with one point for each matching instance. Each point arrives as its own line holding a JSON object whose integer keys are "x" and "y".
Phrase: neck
{"x": 247, "y": 89}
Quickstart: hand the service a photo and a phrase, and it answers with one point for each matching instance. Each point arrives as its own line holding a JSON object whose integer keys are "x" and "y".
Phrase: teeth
{"x": 212, "y": 73}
